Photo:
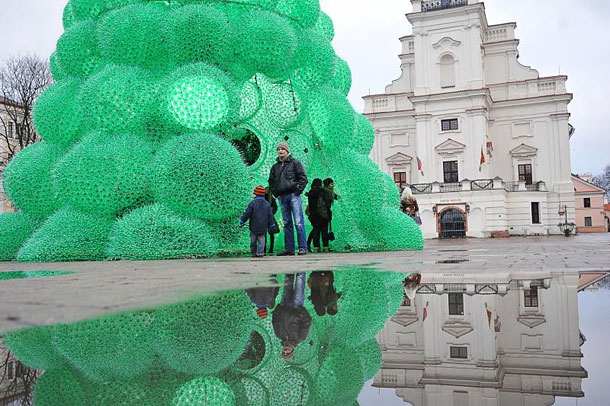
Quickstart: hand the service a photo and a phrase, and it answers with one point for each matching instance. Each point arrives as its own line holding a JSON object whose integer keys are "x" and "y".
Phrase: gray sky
{"x": 566, "y": 36}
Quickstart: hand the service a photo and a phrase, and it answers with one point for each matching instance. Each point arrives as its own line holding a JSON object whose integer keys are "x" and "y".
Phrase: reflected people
{"x": 264, "y": 299}
{"x": 291, "y": 321}
{"x": 323, "y": 293}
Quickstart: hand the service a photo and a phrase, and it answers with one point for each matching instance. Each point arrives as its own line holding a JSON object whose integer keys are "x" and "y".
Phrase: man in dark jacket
{"x": 291, "y": 321}
{"x": 261, "y": 219}
{"x": 287, "y": 180}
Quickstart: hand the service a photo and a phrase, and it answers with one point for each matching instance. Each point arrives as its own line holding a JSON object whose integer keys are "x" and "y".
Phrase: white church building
{"x": 482, "y": 140}
{"x": 488, "y": 339}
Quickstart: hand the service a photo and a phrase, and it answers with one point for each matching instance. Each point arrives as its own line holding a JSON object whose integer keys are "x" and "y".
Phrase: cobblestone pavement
{"x": 96, "y": 288}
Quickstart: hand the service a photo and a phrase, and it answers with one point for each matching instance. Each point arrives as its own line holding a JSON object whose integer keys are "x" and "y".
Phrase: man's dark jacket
{"x": 291, "y": 325}
{"x": 260, "y": 215}
{"x": 287, "y": 177}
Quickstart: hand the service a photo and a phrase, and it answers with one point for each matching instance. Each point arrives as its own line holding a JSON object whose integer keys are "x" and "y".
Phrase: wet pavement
{"x": 490, "y": 321}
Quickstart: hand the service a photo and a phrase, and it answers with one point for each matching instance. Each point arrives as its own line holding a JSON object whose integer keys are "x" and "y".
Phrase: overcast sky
{"x": 566, "y": 36}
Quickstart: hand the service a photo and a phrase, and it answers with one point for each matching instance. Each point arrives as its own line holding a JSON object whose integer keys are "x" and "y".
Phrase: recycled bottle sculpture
{"x": 165, "y": 115}
{"x": 213, "y": 351}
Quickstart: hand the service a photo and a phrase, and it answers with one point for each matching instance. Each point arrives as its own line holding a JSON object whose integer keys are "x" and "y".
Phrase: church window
{"x": 450, "y": 171}
{"x": 587, "y": 202}
{"x": 456, "y": 304}
{"x": 447, "y": 71}
{"x": 588, "y": 222}
{"x": 525, "y": 173}
{"x": 458, "y": 352}
{"x": 531, "y": 297}
{"x": 400, "y": 178}
{"x": 449, "y": 125}
{"x": 535, "y": 213}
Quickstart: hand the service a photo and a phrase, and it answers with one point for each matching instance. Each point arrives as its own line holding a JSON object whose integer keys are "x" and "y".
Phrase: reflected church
{"x": 502, "y": 339}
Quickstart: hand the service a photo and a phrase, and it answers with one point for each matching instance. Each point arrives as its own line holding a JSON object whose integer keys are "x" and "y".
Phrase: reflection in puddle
{"x": 30, "y": 274}
{"x": 309, "y": 339}
{"x": 492, "y": 338}
{"x": 451, "y": 261}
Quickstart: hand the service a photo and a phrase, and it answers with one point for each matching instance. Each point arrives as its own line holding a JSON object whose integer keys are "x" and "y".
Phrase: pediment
{"x": 523, "y": 150}
{"x": 449, "y": 147}
{"x": 531, "y": 321}
{"x": 398, "y": 159}
{"x": 404, "y": 319}
{"x": 446, "y": 42}
{"x": 457, "y": 328}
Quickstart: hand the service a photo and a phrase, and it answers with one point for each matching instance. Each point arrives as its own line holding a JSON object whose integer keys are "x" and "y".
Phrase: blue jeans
{"x": 294, "y": 290}
{"x": 292, "y": 205}
{"x": 257, "y": 243}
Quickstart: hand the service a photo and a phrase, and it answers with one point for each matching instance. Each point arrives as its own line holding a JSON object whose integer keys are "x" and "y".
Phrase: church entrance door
{"x": 452, "y": 224}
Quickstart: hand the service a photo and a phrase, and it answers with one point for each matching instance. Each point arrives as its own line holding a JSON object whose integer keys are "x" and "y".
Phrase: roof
{"x": 592, "y": 185}
{"x": 4, "y": 100}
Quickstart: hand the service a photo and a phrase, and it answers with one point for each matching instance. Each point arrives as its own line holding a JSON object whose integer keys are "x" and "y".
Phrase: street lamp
{"x": 565, "y": 227}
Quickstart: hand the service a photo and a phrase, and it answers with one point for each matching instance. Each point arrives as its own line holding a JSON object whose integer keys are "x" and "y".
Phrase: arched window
{"x": 447, "y": 71}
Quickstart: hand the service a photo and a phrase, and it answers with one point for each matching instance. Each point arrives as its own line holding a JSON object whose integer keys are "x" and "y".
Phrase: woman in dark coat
{"x": 312, "y": 202}
{"x": 324, "y": 213}
{"x": 273, "y": 204}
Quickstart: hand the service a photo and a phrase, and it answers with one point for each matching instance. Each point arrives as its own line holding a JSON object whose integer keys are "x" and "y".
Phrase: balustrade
{"x": 433, "y": 5}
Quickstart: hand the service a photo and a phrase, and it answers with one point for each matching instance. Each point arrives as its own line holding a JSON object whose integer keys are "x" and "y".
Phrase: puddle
{"x": 224, "y": 348}
{"x": 452, "y": 261}
{"x": 307, "y": 340}
{"x": 30, "y": 274}
{"x": 494, "y": 329}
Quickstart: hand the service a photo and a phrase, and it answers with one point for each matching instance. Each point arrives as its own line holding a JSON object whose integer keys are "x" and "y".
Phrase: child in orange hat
{"x": 261, "y": 219}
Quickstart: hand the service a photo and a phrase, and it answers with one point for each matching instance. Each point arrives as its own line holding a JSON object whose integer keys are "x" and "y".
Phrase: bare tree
{"x": 603, "y": 180}
{"x": 22, "y": 81}
{"x": 17, "y": 382}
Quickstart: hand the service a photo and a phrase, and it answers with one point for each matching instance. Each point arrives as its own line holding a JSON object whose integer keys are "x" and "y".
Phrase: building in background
{"x": 589, "y": 204}
{"x": 8, "y": 133}
{"x": 483, "y": 141}
{"x": 11, "y": 377}
{"x": 502, "y": 339}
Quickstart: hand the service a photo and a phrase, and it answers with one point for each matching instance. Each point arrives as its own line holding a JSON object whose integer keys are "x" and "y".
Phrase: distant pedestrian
{"x": 291, "y": 321}
{"x": 273, "y": 203}
{"x": 312, "y": 214}
{"x": 409, "y": 206}
{"x": 411, "y": 284}
{"x": 261, "y": 220}
{"x": 324, "y": 215}
{"x": 287, "y": 180}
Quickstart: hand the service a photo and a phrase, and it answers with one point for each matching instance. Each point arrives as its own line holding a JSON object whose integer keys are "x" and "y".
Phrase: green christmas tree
{"x": 166, "y": 114}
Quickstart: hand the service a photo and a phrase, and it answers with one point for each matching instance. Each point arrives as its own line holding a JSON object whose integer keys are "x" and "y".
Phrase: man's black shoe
{"x": 284, "y": 254}
{"x": 302, "y": 251}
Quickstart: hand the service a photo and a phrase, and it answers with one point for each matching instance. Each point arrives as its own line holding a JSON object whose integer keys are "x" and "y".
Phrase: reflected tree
{"x": 17, "y": 381}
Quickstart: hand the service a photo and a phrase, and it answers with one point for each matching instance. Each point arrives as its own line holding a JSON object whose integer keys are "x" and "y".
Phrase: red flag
{"x": 482, "y": 156}
{"x": 425, "y": 316}
{"x": 489, "y": 317}
{"x": 420, "y": 165}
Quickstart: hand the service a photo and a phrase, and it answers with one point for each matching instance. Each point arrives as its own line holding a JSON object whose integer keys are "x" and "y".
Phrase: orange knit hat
{"x": 260, "y": 191}
{"x": 262, "y": 312}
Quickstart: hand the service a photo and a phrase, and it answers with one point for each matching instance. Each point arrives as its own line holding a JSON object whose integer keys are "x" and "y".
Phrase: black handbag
{"x": 275, "y": 229}
{"x": 331, "y": 235}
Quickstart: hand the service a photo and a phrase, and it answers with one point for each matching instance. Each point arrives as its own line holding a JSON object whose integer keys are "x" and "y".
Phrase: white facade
{"x": 514, "y": 350}
{"x": 458, "y": 68}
